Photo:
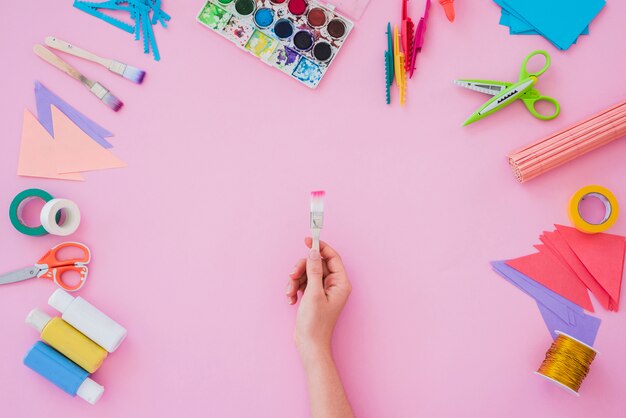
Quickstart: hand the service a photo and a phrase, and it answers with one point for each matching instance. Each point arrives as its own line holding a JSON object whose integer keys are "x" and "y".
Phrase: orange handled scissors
{"x": 50, "y": 267}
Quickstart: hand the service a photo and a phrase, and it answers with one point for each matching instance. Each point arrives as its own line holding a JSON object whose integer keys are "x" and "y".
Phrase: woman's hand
{"x": 325, "y": 286}
{"x": 325, "y": 289}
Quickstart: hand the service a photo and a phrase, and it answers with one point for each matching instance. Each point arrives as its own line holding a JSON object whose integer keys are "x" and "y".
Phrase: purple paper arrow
{"x": 45, "y": 98}
{"x": 559, "y": 314}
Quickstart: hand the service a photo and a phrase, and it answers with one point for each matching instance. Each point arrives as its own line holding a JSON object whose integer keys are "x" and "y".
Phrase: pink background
{"x": 192, "y": 243}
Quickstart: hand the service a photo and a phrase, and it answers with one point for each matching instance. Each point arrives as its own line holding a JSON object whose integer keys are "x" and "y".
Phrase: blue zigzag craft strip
{"x": 87, "y": 8}
{"x": 139, "y": 11}
{"x": 151, "y": 39}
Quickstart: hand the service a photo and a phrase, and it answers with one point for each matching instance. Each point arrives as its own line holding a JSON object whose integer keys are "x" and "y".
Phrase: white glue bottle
{"x": 88, "y": 319}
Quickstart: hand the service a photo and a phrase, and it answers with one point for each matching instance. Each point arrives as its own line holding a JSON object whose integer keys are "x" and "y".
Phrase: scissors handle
{"x": 51, "y": 260}
{"x": 57, "y": 274}
{"x": 531, "y": 98}
{"x": 524, "y": 71}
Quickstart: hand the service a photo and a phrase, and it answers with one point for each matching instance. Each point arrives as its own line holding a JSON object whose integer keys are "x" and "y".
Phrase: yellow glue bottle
{"x": 67, "y": 340}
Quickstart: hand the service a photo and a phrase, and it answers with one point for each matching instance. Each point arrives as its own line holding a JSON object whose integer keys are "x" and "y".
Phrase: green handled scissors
{"x": 506, "y": 93}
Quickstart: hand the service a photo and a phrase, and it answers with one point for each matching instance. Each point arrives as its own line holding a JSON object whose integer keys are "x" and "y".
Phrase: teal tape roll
{"x": 15, "y": 215}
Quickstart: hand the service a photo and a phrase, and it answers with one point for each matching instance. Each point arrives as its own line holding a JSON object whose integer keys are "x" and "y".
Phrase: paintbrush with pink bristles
{"x": 317, "y": 217}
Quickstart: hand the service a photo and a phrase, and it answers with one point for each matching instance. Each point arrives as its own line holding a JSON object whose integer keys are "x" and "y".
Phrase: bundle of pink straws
{"x": 574, "y": 141}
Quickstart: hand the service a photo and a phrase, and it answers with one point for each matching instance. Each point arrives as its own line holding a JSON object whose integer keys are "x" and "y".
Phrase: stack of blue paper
{"x": 559, "y": 21}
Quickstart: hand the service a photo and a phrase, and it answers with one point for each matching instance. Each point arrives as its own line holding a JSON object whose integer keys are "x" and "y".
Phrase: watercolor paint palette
{"x": 301, "y": 38}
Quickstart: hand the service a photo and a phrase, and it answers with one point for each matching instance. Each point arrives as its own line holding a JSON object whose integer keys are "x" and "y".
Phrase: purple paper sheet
{"x": 553, "y": 301}
{"x": 45, "y": 98}
{"x": 584, "y": 329}
{"x": 559, "y": 314}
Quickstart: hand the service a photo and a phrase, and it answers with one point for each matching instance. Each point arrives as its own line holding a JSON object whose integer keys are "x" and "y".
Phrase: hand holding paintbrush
{"x": 322, "y": 280}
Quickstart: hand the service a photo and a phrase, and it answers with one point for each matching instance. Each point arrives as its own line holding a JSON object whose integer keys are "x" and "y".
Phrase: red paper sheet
{"x": 544, "y": 268}
{"x": 602, "y": 255}
{"x": 556, "y": 242}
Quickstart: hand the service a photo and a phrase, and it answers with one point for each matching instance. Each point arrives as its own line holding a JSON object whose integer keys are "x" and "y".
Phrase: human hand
{"x": 325, "y": 289}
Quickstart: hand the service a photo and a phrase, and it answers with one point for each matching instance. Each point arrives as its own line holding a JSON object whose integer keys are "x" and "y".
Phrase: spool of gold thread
{"x": 567, "y": 362}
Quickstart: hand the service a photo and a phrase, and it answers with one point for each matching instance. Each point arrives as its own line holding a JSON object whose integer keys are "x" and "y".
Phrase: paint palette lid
{"x": 353, "y": 9}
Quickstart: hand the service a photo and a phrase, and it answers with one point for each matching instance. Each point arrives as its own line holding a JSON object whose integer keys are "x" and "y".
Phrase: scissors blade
{"x": 509, "y": 95}
{"x": 500, "y": 100}
{"x": 483, "y": 86}
{"x": 19, "y": 275}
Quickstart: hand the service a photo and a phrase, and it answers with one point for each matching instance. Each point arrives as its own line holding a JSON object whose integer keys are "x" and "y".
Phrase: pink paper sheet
{"x": 37, "y": 152}
{"x": 76, "y": 151}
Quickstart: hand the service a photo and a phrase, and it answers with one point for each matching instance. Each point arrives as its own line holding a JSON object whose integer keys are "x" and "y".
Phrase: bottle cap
{"x": 38, "y": 319}
{"x": 60, "y": 300}
{"x": 90, "y": 391}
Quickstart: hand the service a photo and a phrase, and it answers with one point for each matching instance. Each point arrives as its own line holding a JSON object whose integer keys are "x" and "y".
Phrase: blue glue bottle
{"x": 61, "y": 371}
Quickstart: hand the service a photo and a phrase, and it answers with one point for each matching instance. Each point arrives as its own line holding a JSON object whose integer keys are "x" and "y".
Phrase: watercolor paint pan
{"x": 298, "y": 37}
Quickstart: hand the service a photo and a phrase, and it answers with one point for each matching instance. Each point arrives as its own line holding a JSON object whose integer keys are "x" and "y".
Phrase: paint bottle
{"x": 59, "y": 370}
{"x": 88, "y": 319}
{"x": 67, "y": 340}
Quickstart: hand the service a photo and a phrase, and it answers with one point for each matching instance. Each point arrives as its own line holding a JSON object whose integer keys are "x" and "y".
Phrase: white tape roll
{"x": 72, "y": 217}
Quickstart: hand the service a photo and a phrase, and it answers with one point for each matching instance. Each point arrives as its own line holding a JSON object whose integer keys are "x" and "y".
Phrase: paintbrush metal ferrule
{"x": 106, "y": 96}
{"x": 317, "y": 220}
{"x": 117, "y": 67}
{"x": 99, "y": 90}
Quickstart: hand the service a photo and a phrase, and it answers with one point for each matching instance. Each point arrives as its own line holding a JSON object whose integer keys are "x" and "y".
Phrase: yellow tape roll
{"x": 610, "y": 205}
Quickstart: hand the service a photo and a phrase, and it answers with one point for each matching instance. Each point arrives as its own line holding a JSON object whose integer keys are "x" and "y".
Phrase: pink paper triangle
{"x": 546, "y": 270}
{"x": 557, "y": 243}
{"x": 37, "y": 152}
{"x": 75, "y": 150}
{"x": 602, "y": 254}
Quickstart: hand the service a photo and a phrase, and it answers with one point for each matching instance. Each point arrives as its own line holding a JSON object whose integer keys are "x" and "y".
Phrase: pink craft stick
{"x": 565, "y": 141}
{"x": 538, "y": 166}
{"x": 569, "y": 143}
{"x": 418, "y": 43}
{"x": 597, "y": 119}
{"x": 568, "y": 139}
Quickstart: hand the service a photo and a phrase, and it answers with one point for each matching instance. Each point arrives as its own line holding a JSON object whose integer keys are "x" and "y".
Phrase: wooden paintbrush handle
{"x": 47, "y": 55}
{"x": 64, "y": 46}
